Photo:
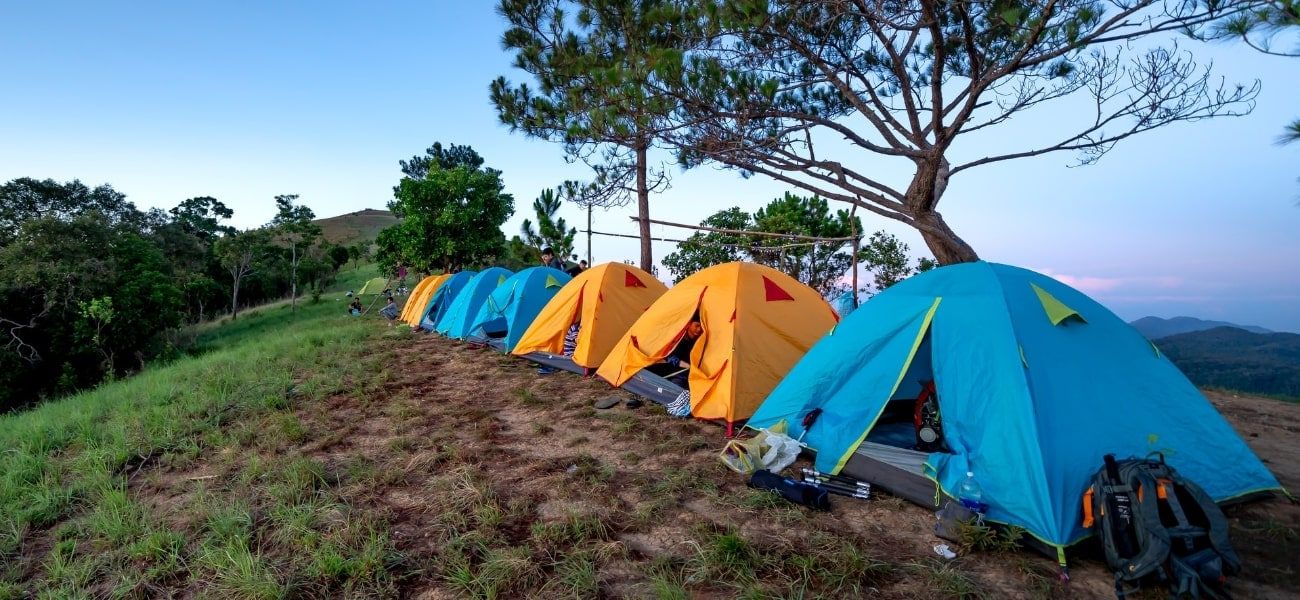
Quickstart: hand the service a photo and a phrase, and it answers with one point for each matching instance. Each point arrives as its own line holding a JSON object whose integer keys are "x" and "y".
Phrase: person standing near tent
{"x": 390, "y": 311}
{"x": 578, "y": 269}
{"x": 550, "y": 260}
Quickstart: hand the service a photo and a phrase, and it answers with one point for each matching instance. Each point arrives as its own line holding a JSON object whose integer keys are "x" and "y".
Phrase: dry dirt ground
{"x": 499, "y": 482}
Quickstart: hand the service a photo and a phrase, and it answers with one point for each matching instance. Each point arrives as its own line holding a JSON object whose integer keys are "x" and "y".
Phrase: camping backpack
{"x": 1157, "y": 526}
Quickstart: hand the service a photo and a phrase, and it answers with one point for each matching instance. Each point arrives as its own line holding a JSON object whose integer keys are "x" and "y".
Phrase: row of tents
{"x": 1034, "y": 381}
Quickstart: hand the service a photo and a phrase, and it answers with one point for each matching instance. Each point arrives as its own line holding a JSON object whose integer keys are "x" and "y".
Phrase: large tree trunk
{"x": 927, "y": 188}
{"x": 643, "y": 206}
{"x": 947, "y": 248}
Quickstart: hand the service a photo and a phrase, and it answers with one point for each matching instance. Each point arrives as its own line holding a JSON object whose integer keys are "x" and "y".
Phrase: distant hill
{"x": 1236, "y": 359}
{"x": 1155, "y": 327}
{"x": 360, "y": 226}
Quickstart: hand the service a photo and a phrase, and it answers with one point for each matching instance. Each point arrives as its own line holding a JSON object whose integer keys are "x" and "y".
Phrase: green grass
{"x": 267, "y": 527}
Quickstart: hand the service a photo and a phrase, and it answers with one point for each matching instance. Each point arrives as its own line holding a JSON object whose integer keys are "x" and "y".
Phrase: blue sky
{"x": 244, "y": 100}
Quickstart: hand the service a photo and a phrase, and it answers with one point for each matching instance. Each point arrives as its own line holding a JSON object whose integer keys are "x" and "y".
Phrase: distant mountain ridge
{"x": 360, "y": 226}
{"x": 1155, "y": 328}
{"x": 1236, "y": 359}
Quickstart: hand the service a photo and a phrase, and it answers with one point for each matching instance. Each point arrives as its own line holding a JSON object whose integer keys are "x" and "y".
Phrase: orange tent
{"x": 605, "y": 300}
{"x": 758, "y": 322}
{"x": 419, "y": 298}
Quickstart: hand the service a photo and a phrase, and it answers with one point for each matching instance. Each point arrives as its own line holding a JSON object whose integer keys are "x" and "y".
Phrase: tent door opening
{"x": 913, "y": 418}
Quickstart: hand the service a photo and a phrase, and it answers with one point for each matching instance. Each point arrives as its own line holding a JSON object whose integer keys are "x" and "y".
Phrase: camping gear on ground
{"x": 756, "y": 321}
{"x": 440, "y": 302}
{"x": 944, "y": 551}
{"x": 952, "y": 519}
{"x": 837, "y": 484}
{"x": 925, "y": 417}
{"x": 797, "y": 492}
{"x": 376, "y": 285}
{"x": 769, "y": 450}
{"x": 459, "y": 317}
{"x": 418, "y": 301}
{"x": 1034, "y": 382}
{"x": 1155, "y": 525}
{"x": 604, "y": 301}
{"x": 971, "y": 495}
{"x": 609, "y": 402}
{"x": 511, "y": 307}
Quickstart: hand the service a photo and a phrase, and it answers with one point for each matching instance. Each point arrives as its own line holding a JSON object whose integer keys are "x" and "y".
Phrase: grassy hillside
{"x": 1231, "y": 358}
{"x": 360, "y": 226}
{"x": 326, "y": 456}
{"x": 181, "y": 479}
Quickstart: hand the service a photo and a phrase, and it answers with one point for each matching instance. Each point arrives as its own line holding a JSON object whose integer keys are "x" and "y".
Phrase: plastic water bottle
{"x": 971, "y": 495}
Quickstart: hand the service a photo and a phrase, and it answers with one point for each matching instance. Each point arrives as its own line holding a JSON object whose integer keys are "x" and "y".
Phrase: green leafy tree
{"x": 1258, "y": 24}
{"x": 26, "y": 199}
{"x": 886, "y": 259}
{"x": 239, "y": 255}
{"x": 705, "y": 249}
{"x": 551, "y": 232}
{"x": 58, "y": 331}
{"x": 596, "y": 64}
{"x": 293, "y": 224}
{"x": 202, "y": 217}
{"x": 807, "y": 93}
{"x": 338, "y": 256}
{"x": 452, "y": 219}
{"x": 820, "y": 265}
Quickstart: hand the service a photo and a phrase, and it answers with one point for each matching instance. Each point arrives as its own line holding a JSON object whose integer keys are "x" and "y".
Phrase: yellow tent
{"x": 758, "y": 322}
{"x": 419, "y": 297}
{"x": 374, "y": 286}
{"x": 605, "y": 300}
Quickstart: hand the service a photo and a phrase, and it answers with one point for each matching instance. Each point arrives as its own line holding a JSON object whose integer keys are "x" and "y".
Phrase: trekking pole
{"x": 815, "y": 474}
{"x": 808, "y": 421}
{"x": 844, "y": 490}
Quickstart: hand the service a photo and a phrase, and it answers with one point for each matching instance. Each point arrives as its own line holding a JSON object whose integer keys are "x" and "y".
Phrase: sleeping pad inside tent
{"x": 1033, "y": 383}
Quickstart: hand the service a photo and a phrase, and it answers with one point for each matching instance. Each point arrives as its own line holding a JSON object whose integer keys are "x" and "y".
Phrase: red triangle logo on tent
{"x": 774, "y": 291}
{"x": 630, "y": 280}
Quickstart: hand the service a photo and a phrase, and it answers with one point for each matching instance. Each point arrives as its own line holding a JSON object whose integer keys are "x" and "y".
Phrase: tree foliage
{"x": 90, "y": 286}
{"x": 594, "y": 63}
{"x": 707, "y": 248}
{"x": 451, "y": 219}
{"x": 775, "y": 81}
{"x": 822, "y": 265}
{"x": 551, "y": 232}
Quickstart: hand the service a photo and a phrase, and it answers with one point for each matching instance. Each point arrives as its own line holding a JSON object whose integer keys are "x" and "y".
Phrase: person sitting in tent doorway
{"x": 570, "y": 343}
{"x": 550, "y": 260}
{"x": 680, "y": 358}
{"x": 390, "y": 311}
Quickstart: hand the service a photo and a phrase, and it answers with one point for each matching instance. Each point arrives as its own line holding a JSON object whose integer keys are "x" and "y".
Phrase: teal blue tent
{"x": 442, "y": 299}
{"x": 456, "y": 321}
{"x": 511, "y": 308}
{"x": 1035, "y": 382}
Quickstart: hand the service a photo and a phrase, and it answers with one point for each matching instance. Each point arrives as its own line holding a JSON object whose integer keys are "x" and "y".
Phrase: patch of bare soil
{"x": 485, "y": 468}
